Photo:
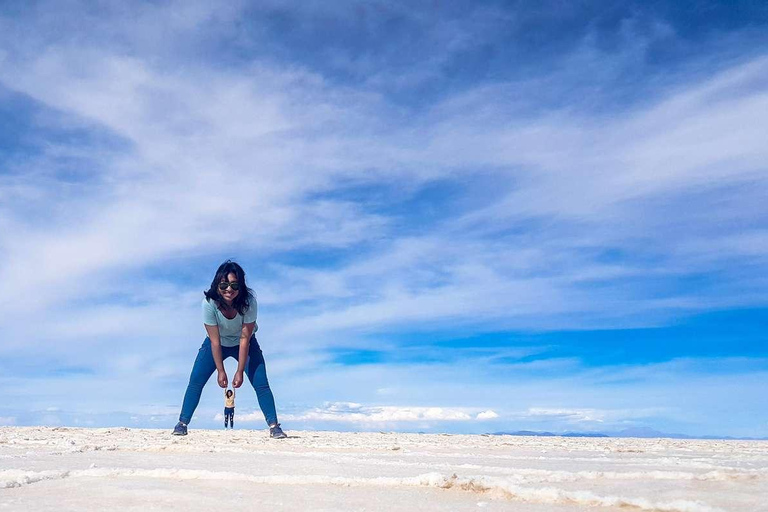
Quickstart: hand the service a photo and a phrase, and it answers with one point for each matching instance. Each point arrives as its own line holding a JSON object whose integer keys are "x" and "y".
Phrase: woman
{"x": 229, "y": 316}
{"x": 229, "y": 408}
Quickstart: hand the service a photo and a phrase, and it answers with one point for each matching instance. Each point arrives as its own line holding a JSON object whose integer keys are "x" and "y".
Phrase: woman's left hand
{"x": 237, "y": 380}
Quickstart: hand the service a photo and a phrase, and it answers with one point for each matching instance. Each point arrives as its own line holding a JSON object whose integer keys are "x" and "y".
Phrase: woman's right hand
{"x": 223, "y": 379}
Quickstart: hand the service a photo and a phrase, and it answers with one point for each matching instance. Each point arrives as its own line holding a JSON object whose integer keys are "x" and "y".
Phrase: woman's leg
{"x": 201, "y": 371}
{"x": 257, "y": 374}
{"x": 232, "y": 419}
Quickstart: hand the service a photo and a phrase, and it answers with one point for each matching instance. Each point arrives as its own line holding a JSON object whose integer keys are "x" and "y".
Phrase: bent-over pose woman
{"x": 229, "y": 316}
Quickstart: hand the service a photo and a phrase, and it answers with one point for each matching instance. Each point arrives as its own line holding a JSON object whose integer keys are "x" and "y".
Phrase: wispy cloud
{"x": 352, "y": 413}
{"x": 357, "y": 413}
{"x": 589, "y": 173}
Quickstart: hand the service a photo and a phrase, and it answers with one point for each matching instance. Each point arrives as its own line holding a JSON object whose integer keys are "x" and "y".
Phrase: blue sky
{"x": 458, "y": 217}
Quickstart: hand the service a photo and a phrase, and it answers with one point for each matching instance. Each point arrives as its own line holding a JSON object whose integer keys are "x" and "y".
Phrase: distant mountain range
{"x": 641, "y": 432}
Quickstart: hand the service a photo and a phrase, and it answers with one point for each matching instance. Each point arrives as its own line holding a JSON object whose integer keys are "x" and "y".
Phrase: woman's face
{"x": 228, "y": 294}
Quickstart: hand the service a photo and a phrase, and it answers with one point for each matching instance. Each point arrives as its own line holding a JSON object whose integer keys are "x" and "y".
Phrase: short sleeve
{"x": 209, "y": 313}
{"x": 250, "y": 314}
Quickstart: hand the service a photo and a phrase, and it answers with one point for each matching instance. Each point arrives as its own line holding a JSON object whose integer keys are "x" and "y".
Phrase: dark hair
{"x": 243, "y": 300}
{"x": 229, "y": 392}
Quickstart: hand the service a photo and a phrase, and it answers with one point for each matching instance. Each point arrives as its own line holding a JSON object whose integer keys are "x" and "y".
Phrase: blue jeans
{"x": 204, "y": 367}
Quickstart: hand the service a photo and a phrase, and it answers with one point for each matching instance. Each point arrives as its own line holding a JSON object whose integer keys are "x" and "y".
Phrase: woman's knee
{"x": 262, "y": 388}
{"x": 197, "y": 383}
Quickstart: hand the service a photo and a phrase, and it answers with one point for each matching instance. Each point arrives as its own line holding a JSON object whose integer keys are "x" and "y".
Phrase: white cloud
{"x": 569, "y": 415}
{"x": 349, "y": 412}
{"x": 487, "y": 415}
{"x": 7, "y": 420}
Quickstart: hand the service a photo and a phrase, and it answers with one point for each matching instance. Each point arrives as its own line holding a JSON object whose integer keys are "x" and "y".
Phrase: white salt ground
{"x": 59, "y": 469}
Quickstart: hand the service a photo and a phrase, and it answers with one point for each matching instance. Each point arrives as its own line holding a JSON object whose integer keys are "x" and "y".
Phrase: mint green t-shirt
{"x": 229, "y": 330}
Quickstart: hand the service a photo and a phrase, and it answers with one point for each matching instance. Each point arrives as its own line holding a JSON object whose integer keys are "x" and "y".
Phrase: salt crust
{"x": 574, "y": 472}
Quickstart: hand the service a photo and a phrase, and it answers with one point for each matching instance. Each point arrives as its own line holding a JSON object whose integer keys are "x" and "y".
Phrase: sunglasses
{"x": 224, "y": 286}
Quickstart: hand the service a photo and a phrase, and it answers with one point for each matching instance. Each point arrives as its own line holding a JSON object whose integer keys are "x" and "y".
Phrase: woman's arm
{"x": 213, "y": 335}
{"x": 245, "y": 341}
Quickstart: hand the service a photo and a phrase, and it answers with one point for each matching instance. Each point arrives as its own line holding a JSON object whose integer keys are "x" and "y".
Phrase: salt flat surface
{"x": 57, "y": 469}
